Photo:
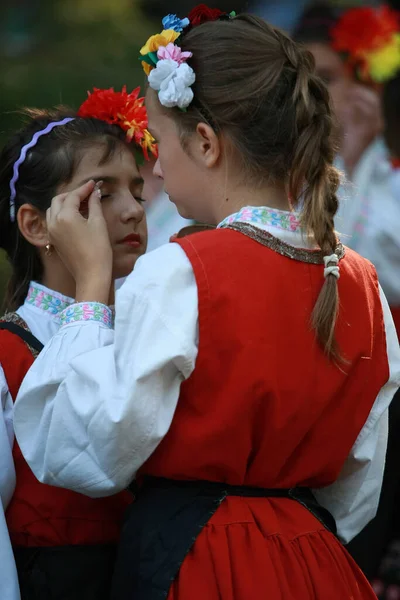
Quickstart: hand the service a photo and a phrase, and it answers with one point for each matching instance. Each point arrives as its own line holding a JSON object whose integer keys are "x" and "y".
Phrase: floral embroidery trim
{"x": 263, "y": 215}
{"x": 48, "y": 301}
{"x": 87, "y": 311}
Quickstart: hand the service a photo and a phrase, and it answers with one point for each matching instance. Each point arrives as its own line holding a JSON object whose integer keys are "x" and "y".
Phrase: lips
{"x": 133, "y": 239}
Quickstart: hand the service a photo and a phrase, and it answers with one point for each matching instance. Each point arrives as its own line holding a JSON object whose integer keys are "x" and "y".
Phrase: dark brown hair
{"x": 257, "y": 86}
{"x": 391, "y": 104}
{"x": 315, "y": 24}
{"x": 52, "y": 162}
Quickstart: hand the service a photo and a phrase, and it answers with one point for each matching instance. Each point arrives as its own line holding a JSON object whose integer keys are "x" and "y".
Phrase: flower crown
{"x": 370, "y": 41}
{"x": 122, "y": 109}
{"x": 164, "y": 62}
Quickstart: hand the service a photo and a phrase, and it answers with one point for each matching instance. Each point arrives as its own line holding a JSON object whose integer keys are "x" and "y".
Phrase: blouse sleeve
{"x": 100, "y": 402}
{"x": 8, "y": 574}
{"x": 353, "y": 499}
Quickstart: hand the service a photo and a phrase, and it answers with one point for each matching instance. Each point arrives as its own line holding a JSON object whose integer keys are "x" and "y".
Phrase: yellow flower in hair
{"x": 164, "y": 38}
{"x": 385, "y": 62}
{"x": 147, "y": 68}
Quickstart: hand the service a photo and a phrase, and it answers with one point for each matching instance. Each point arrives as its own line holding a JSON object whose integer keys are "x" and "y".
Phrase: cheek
{"x": 111, "y": 216}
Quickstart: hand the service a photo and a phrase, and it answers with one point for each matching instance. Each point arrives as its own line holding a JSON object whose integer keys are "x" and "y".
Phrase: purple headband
{"x": 22, "y": 157}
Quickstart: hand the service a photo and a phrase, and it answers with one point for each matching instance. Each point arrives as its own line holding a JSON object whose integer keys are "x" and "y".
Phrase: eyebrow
{"x": 108, "y": 179}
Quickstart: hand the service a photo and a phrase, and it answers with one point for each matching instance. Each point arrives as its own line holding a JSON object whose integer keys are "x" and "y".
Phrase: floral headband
{"x": 122, "y": 109}
{"x": 369, "y": 38}
{"x": 117, "y": 108}
{"x": 164, "y": 62}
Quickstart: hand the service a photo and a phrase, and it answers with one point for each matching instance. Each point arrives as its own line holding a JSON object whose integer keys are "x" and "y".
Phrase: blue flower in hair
{"x": 175, "y": 23}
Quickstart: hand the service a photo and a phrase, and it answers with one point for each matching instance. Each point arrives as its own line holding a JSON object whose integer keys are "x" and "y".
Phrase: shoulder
{"x": 358, "y": 263}
{"x": 161, "y": 276}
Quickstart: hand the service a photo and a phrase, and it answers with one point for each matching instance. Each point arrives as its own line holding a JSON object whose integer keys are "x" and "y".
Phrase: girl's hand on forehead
{"x": 362, "y": 122}
{"x": 82, "y": 242}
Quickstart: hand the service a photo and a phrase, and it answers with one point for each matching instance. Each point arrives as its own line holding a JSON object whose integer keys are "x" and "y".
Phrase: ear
{"x": 32, "y": 225}
{"x": 208, "y": 145}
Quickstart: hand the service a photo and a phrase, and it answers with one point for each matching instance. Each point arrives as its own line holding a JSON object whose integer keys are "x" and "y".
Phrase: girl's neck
{"x": 271, "y": 196}
{"x": 60, "y": 280}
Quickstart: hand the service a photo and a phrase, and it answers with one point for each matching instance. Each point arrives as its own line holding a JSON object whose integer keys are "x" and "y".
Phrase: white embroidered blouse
{"x": 40, "y": 311}
{"x": 110, "y": 397}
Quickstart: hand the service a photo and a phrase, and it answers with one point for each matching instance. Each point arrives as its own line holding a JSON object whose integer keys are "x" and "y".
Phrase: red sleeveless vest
{"x": 264, "y": 406}
{"x": 43, "y": 515}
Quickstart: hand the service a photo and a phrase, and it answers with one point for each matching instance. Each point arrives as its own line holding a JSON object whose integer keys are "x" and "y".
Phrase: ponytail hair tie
{"x": 331, "y": 266}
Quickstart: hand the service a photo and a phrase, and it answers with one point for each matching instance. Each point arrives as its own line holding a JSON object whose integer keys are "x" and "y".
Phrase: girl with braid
{"x": 243, "y": 395}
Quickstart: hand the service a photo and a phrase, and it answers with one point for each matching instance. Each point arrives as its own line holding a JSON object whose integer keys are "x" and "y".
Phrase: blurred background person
{"x": 337, "y": 39}
{"x": 363, "y": 81}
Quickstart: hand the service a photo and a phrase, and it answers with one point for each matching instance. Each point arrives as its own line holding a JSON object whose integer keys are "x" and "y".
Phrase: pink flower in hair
{"x": 173, "y": 52}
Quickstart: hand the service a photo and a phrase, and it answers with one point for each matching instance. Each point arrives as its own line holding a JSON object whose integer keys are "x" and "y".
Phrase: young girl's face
{"x": 329, "y": 66}
{"x": 121, "y": 201}
{"x": 186, "y": 180}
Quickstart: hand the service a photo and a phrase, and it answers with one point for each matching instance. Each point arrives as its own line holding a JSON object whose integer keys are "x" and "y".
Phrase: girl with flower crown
{"x": 63, "y": 542}
{"x": 244, "y": 393}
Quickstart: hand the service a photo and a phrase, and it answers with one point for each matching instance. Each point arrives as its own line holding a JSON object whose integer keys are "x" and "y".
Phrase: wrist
{"x": 93, "y": 289}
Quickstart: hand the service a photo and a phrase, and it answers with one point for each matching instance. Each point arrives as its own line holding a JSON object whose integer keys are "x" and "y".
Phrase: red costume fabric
{"x": 41, "y": 515}
{"x": 265, "y": 407}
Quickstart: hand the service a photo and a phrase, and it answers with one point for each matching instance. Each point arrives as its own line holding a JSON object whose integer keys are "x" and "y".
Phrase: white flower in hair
{"x": 172, "y": 81}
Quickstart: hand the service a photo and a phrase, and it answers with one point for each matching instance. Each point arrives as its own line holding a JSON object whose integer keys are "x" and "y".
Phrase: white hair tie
{"x": 333, "y": 268}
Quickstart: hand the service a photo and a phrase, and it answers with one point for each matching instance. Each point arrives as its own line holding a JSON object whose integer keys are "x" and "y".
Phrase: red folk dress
{"x": 264, "y": 407}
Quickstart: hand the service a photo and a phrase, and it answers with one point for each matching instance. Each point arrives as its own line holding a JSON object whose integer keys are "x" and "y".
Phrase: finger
{"x": 56, "y": 204}
{"x": 365, "y": 110}
{"x": 94, "y": 203}
{"x": 369, "y": 97}
{"x": 54, "y": 209}
{"x": 73, "y": 200}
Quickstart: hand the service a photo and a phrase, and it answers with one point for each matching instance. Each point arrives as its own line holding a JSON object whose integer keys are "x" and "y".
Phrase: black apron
{"x": 61, "y": 572}
{"x": 163, "y": 523}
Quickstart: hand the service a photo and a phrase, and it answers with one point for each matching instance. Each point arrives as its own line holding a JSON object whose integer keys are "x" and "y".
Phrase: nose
{"x": 157, "y": 172}
{"x": 133, "y": 210}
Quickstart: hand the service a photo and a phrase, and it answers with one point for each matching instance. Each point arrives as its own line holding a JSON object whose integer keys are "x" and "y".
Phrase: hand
{"x": 82, "y": 243}
{"x": 362, "y": 121}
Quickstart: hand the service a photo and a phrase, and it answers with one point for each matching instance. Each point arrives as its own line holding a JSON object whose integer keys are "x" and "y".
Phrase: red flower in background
{"x": 122, "y": 109}
{"x": 202, "y": 14}
{"x": 363, "y": 29}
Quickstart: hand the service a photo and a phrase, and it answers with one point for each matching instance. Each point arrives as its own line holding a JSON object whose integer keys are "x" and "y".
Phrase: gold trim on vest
{"x": 315, "y": 257}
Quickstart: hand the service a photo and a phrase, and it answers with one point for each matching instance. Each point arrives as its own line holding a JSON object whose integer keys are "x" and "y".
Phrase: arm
{"x": 8, "y": 575}
{"x": 95, "y": 404}
{"x": 353, "y": 499}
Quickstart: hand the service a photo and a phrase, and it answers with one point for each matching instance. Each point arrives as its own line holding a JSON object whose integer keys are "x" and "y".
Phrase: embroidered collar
{"x": 47, "y": 300}
{"x": 265, "y": 216}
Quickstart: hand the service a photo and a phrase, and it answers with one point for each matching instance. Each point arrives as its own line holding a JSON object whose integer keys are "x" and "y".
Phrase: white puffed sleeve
{"x": 96, "y": 404}
{"x": 353, "y": 499}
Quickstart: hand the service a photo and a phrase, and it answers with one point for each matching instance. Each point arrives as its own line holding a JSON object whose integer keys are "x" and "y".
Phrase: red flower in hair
{"x": 202, "y": 14}
{"x": 363, "y": 29}
{"x": 122, "y": 109}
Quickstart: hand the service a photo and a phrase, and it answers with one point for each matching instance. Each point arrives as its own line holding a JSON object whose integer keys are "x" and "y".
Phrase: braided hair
{"x": 258, "y": 87}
